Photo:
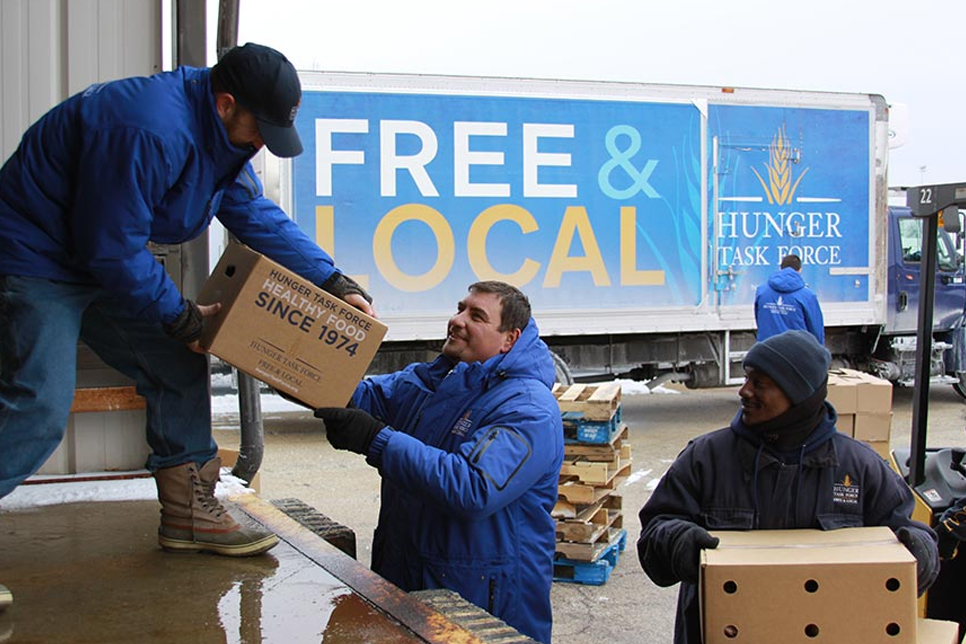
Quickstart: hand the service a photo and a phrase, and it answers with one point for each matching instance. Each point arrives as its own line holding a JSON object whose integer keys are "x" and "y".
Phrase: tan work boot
{"x": 193, "y": 520}
{"x": 6, "y": 597}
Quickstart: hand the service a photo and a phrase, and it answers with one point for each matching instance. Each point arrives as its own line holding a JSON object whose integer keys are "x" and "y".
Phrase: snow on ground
{"x": 137, "y": 489}
{"x": 272, "y": 403}
{"x": 131, "y": 489}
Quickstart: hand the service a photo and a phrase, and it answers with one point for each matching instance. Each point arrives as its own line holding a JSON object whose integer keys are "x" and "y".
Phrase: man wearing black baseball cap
{"x": 265, "y": 83}
{"x": 92, "y": 182}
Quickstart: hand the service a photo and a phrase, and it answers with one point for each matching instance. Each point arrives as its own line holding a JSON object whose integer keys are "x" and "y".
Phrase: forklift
{"x": 937, "y": 476}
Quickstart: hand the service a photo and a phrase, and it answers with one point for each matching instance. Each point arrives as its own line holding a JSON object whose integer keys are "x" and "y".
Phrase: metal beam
{"x": 927, "y": 203}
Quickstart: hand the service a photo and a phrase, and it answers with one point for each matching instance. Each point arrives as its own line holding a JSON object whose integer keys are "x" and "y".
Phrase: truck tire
{"x": 960, "y": 387}
{"x": 561, "y": 370}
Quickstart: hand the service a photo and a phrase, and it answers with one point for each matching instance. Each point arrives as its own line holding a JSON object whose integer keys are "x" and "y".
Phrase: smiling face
{"x": 473, "y": 334}
{"x": 761, "y": 398}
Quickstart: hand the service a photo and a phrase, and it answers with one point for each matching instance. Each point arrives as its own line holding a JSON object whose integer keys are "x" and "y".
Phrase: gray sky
{"x": 895, "y": 48}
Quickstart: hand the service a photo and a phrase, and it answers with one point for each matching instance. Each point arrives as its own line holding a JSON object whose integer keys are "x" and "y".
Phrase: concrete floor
{"x": 629, "y": 608}
{"x": 71, "y": 566}
{"x": 92, "y": 572}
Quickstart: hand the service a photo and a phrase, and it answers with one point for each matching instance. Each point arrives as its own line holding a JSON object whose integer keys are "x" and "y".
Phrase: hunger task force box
{"x": 285, "y": 331}
{"x": 847, "y": 585}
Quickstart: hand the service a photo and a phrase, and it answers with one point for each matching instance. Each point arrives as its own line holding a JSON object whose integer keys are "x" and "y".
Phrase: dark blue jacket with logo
{"x": 786, "y": 303}
{"x": 469, "y": 479}
{"x": 132, "y": 161}
{"x": 721, "y": 481}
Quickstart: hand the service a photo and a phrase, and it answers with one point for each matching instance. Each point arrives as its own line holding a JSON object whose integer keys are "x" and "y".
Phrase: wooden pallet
{"x": 602, "y": 452}
{"x": 589, "y": 522}
{"x": 595, "y": 402}
{"x": 577, "y": 492}
{"x": 596, "y": 571}
{"x": 600, "y": 473}
{"x": 567, "y": 510}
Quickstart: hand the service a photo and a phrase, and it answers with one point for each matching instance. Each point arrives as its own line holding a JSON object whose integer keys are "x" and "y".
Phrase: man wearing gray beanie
{"x": 777, "y": 466}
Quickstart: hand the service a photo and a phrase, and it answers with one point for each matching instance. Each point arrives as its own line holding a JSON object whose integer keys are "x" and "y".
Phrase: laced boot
{"x": 193, "y": 520}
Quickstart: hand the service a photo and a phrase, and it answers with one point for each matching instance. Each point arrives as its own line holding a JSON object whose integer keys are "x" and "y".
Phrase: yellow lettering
{"x": 325, "y": 237}
{"x": 325, "y": 228}
{"x": 445, "y": 247}
{"x": 476, "y": 244}
{"x": 576, "y": 221}
{"x": 630, "y": 275}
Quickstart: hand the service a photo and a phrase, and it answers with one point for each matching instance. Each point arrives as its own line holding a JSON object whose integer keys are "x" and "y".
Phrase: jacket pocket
{"x": 729, "y": 519}
{"x": 489, "y": 587}
{"x": 836, "y": 520}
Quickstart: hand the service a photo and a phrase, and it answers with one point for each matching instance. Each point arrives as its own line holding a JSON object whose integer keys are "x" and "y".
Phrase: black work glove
{"x": 927, "y": 555}
{"x": 187, "y": 326}
{"x": 341, "y": 285}
{"x": 948, "y": 542}
{"x": 351, "y": 429}
{"x": 686, "y": 550}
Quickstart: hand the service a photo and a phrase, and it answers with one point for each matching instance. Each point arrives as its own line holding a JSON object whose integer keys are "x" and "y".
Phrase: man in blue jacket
{"x": 94, "y": 181}
{"x": 469, "y": 447}
{"x": 785, "y": 302}
{"x": 779, "y": 465}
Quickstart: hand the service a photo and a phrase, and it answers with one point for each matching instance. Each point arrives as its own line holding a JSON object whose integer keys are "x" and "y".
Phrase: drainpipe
{"x": 252, "y": 442}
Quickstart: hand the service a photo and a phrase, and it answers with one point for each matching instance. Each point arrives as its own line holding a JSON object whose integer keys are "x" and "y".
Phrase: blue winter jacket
{"x": 469, "y": 471}
{"x": 129, "y": 162}
{"x": 786, "y": 303}
{"x": 721, "y": 481}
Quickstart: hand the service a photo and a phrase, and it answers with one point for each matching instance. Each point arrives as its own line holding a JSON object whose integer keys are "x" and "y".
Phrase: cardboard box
{"x": 882, "y": 448}
{"x": 285, "y": 331}
{"x": 937, "y": 631}
{"x": 842, "y": 391}
{"x": 872, "y": 427}
{"x": 852, "y": 391}
{"x": 848, "y": 585}
{"x": 845, "y": 424}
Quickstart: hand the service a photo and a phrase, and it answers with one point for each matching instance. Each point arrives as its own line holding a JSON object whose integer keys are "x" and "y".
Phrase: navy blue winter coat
{"x": 132, "y": 161}
{"x": 784, "y": 303}
{"x": 721, "y": 481}
{"x": 469, "y": 478}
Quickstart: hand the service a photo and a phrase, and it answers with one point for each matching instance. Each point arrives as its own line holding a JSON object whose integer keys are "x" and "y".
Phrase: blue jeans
{"x": 40, "y": 323}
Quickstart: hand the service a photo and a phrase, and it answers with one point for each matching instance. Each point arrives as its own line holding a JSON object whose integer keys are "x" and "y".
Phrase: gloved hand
{"x": 341, "y": 285}
{"x": 686, "y": 551}
{"x": 926, "y": 553}
{"x": 948, "y": 541}
{"x": 188, "y": 325}
{"x": 350, "y": 429}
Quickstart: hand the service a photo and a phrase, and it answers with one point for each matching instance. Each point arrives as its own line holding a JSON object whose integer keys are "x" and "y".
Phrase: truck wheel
{"x": 561, "y": 370}
{"x": 960, "y": 387}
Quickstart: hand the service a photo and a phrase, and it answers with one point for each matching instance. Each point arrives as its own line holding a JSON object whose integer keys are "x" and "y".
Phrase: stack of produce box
{"x": 864, "y": 406}
{"x": 597, "y": 458}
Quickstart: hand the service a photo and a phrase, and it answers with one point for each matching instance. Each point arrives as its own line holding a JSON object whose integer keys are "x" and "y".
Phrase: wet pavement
{"x": 628, "y": 608}
{"x": 93, "y": 572}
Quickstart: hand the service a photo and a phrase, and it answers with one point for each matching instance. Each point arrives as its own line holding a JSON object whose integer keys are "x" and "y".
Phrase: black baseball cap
{"x": 264, "y": 82}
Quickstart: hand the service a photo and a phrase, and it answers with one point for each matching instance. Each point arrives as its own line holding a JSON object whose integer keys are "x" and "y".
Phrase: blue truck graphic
{"x": 638, "y": 218}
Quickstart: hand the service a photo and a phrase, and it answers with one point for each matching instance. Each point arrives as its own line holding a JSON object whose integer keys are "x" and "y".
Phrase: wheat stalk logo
{"x": 780, "y": 189}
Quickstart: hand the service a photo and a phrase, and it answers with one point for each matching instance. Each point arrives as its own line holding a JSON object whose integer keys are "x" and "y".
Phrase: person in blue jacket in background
{"x": 780, "y": 465}
{"x": 469, "y": 447}
{"x": 785, "y": 302}
{"x": 92, "y": 183}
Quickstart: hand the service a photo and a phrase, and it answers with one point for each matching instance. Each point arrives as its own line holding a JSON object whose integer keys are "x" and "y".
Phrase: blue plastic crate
{"x": 579, "y": 430}
{"x": 594, "y": 573}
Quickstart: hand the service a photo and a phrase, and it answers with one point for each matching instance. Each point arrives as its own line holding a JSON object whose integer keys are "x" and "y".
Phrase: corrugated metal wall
{"x": 50, "y": 49}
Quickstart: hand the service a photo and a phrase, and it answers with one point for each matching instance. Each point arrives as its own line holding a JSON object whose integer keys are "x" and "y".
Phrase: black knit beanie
{"x": 794, "y": 360}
